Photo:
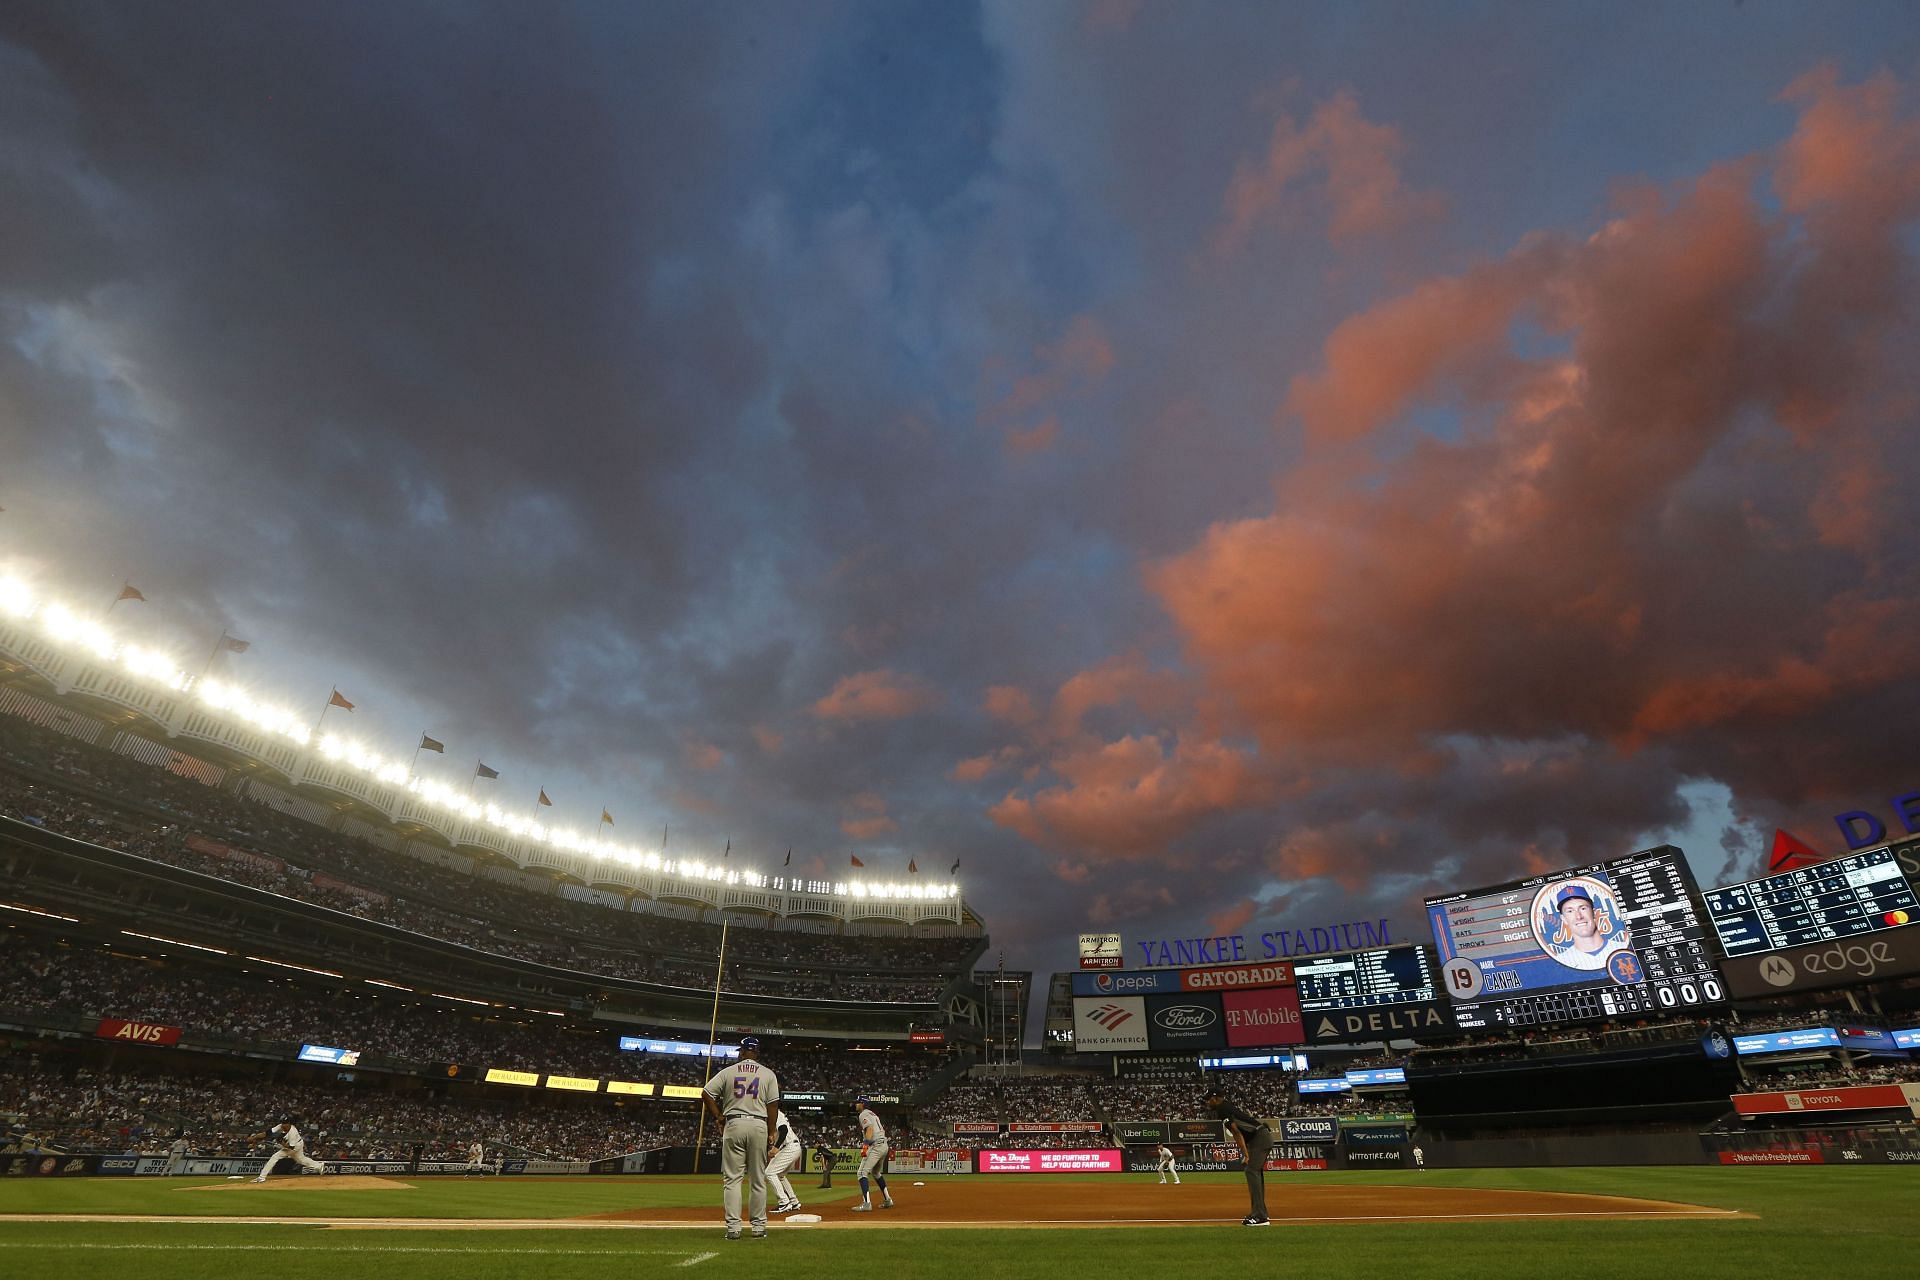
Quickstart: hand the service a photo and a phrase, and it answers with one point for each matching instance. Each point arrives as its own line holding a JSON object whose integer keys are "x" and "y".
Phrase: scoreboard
{"x": 1861, "y": 893}
{"x": 1616, "y": 938}
{"x": 1366, "y": 979}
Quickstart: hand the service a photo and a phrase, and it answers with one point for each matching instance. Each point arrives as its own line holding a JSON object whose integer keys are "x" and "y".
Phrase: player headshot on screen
{"x": 1582, "y": 927}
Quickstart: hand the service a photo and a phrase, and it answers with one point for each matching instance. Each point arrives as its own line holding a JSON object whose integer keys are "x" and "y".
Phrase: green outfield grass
{"x": 1841, "y": 1221}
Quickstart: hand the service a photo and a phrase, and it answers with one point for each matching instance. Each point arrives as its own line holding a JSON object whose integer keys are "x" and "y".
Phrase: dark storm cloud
{"x": 805, "y": 424}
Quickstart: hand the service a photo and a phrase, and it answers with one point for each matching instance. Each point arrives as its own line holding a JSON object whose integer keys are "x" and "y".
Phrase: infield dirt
{"x": 1009, "y": 1204}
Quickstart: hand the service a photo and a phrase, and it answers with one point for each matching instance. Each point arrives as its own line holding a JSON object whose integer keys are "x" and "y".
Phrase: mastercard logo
{"x": 1897, "y": 917}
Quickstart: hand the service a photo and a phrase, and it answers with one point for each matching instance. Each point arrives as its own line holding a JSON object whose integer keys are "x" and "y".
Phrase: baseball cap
{"x": 749, "y": 1042}
{"x": 1572, "y": 893}
{"x": 862, "y": 1100}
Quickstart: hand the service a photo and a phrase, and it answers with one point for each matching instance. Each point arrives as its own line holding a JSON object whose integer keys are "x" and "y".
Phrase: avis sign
{"x": 136, "y": 1032}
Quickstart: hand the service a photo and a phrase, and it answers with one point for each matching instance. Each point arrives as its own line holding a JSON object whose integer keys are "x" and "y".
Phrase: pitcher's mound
{"x": 310, "y": 1182}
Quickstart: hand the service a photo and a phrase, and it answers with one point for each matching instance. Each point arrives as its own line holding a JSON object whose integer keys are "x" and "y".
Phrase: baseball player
{"x": 176, "y": 1155}
{"x": 873, "y": 1156}
{"x": 1167, "y": 1165}
{"x": 287, "y": 1142}
{"x": 476, "y": 1160}
{"x": 781, "y": 1159}
{"x": 744, "y": 1100}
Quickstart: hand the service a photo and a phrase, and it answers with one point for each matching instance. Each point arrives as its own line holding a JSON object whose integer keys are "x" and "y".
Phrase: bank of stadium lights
{"x": 68, "y": 629}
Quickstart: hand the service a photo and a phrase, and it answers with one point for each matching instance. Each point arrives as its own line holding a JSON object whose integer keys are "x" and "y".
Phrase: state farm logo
{"x": 1185, "y": 1017}
{"x": 1110, "y": 1016}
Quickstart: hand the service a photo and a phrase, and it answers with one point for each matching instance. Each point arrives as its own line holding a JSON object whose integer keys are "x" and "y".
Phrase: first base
{"x": 801, "y": 1219}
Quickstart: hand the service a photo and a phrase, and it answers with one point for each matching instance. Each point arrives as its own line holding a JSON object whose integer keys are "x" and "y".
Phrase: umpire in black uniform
{"x": 1250, "y": 1132}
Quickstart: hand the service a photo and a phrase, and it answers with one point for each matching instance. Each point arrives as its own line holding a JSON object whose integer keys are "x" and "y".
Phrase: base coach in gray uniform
{"x": 744, "y": 1100}
{"x": 1255, "y": 1140}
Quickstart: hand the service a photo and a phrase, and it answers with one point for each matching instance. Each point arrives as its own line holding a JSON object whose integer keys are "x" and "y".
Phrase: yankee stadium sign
{"x": 1233, "y": 948}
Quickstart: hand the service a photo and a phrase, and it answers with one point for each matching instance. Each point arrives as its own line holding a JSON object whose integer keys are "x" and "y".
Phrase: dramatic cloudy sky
{"x": 1200, "y": 465}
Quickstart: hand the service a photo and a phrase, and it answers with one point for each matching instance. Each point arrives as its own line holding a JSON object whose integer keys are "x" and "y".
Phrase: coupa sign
{"x": 1862, "y": 830}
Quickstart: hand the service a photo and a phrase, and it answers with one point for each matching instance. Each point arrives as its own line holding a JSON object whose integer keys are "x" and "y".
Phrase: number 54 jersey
{"x": 744, "y": 1088}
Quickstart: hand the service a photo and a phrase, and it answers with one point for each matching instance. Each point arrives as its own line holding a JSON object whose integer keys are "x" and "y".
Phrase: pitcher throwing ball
{"x": 288, "y": 1144}
{"x": 873, "y": 1157}
{"x": 744, "y": 1100}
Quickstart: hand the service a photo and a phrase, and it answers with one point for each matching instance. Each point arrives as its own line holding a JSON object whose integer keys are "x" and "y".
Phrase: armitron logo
{"x": 1110, "y": 1016}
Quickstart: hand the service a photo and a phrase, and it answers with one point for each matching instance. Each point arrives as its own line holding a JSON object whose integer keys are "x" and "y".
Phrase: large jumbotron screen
{"x": 1616, "y": 938}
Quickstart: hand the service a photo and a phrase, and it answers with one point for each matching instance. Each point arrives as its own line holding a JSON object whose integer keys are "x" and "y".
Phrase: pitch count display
{"x": 1862, "y": 893}
{"x": 1618, "y": 937}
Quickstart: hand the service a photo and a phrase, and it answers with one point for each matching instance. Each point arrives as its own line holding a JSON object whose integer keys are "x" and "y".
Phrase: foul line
{"x": 689, "y": 1261}
{"x": 892, "y": 1223}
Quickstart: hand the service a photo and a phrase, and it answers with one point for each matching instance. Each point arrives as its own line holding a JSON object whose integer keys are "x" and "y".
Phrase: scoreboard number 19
{"x": 1464, "y": 979}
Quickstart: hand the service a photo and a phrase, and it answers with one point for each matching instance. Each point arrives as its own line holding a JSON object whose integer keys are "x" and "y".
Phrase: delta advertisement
{"x": 1093, "y": 1160}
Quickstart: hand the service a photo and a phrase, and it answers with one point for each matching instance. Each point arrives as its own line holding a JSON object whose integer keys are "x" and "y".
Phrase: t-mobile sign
{"x": 1270, "y": 1015}
{"x": 1095, "y": 1161}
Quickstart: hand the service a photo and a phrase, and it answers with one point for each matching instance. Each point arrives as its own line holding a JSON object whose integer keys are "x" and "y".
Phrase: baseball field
{"x": 1679, "y": 1222}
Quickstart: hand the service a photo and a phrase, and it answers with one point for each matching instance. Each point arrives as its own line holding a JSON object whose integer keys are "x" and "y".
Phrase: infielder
{"x": 744, "y": 1100}
{"x": 1167, "y": 1165}
{"x": 476, "y": 1160}
{"x": 288, "y": 1143}
{"x": 177, "y": 1155}
{"x": 781, "y": 1159}
{"x": 873, "y": 1156}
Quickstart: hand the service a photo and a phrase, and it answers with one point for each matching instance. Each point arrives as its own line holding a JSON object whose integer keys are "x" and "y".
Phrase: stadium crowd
{"x": 41, "y": 976}
{"x": 120, "y": 1112}
{"x": 113, "y": 800}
